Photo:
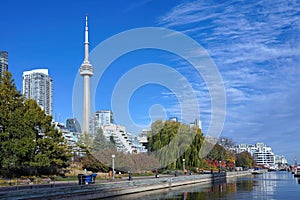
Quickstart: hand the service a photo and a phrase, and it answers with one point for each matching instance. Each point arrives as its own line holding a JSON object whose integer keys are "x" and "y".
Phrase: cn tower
{"x": 86, "y": 70}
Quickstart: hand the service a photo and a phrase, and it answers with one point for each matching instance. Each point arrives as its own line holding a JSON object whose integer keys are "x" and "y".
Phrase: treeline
{"x": 171, "y": 145}
{"x": 175, "y": 144}
{"x": 29, "y": 144}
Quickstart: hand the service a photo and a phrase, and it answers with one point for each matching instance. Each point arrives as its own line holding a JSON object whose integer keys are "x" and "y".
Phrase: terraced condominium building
{"x": 3, "y": 62}
{"x": 37, "y": 85}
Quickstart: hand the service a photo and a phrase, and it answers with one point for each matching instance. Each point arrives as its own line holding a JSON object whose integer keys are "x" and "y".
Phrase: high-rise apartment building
{"x": 3, "y": 62}
{"x": 101, "y": 118}
{"x": 37, "y": 85}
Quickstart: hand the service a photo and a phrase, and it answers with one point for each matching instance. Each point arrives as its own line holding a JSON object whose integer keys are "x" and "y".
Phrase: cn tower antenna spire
{"x": 86, "y": 71}
{"x": 86, "y": 41}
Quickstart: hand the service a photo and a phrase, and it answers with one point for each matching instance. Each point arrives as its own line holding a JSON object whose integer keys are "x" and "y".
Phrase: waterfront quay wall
{"x": 239, "y": 173}
{"x": 111, "y": 189}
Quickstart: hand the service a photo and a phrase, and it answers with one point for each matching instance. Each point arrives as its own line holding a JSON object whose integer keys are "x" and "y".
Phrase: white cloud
{"x": 256, "y": 46}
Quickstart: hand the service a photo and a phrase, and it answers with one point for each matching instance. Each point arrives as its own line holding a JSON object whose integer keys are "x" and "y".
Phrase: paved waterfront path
{"x": 104, "y": 188}
{"x": 72, "y": 183}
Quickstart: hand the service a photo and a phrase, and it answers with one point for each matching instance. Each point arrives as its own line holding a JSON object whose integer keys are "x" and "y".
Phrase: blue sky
{"x": 254, "y": 44}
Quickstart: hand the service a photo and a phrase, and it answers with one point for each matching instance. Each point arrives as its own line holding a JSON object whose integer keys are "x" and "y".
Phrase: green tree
{"x": 28, "y": 139}
{"x": 85, "y": 142}
{"x": 99, "y": 142}
{"x": 217, "y": 153}
{"x": 16, "y": 144}
{"x": 244, "y": 159}
{"x": 98, "y": 151}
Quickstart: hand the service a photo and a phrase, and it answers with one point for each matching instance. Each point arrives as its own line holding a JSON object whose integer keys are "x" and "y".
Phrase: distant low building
{"x": 197, "y": 123}
{"x": 73, "y": 125}
{"x": 280, "y": 160}
{"x": 261, "y": 153}
{"x": 173, "y": 119}
{"x": 227, "y": 143}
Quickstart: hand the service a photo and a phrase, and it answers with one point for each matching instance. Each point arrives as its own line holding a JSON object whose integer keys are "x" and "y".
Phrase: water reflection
{"x": 265, "y": 184}
{"x": 272, "y": 185}
{"x": 217, "y": 190}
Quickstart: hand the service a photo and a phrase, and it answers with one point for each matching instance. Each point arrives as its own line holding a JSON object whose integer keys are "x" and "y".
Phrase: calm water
{"x": 271, "y": 185}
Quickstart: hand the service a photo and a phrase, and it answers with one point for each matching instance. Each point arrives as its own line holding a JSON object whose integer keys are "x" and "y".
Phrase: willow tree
{"x": 171, "y": 142}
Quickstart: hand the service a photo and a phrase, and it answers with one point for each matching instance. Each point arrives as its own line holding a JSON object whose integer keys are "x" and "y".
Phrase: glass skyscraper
{"x": 37, "y": 85}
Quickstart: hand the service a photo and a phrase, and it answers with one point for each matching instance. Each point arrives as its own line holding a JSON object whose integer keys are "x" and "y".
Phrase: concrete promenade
{"x": 115, "y": 188}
